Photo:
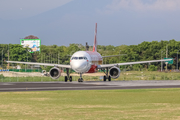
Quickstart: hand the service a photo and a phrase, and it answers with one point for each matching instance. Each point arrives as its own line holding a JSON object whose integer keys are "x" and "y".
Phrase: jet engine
{"x": 55, "y": 73}
{"x": 114, "y": 72}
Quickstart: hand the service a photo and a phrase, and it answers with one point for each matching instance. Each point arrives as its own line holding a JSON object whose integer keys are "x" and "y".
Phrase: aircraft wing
{"x": 131, "y": 63}
{"x": 45, "y": 64}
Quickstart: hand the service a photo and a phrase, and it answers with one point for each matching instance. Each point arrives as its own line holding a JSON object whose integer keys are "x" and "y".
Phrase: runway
{"x": 88, "y": 85}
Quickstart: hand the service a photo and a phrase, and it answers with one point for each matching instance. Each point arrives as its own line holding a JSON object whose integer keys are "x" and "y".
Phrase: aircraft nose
{"x": 79, "y": 66}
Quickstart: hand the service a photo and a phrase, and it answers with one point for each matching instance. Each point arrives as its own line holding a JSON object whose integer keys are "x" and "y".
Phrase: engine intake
{"x": 55, "y": 73}
{"x": 114, "y": 72}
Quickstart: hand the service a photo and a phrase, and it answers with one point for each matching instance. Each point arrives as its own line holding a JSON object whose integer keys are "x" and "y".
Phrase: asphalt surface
{"x": 88, "y": 85}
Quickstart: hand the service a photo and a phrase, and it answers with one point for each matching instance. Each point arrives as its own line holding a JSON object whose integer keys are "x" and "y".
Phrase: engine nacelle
{"x": 55, "y": 73}
{"x": 114, "y": 72}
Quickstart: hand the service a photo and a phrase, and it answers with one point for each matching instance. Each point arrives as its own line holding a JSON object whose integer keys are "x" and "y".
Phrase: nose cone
{"x": 79, "y": 66}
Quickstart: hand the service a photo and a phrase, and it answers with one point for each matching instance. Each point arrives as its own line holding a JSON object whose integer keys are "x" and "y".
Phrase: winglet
{"x": 95, "y": 41}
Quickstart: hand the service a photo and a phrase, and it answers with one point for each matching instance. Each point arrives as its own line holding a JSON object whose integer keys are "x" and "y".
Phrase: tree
{"x": 152, "y": 68}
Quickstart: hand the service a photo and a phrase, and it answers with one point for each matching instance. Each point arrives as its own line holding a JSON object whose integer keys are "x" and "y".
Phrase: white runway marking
{"x": 6, "y": 83}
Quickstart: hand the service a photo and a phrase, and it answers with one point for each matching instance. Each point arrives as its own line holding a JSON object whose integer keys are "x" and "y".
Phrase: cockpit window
{"x": 76, "y": 58}
{"x": 80, "y": 58}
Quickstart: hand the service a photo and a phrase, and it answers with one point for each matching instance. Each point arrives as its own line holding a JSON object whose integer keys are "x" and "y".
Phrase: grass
{"x": 142, "y": 104}
{"x": 129, "y": 75}
{"x": 149, "y": 75}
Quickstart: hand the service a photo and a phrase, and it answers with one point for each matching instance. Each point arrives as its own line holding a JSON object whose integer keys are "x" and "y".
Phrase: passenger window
{"x": 81, "y": 58}
{"x": 85, "y": 58}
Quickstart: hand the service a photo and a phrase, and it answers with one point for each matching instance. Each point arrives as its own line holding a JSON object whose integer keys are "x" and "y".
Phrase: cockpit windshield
{"x": 79, "y": 58}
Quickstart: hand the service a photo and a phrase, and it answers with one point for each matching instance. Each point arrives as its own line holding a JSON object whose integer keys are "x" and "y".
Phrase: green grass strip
{"x": 141, "y": 104}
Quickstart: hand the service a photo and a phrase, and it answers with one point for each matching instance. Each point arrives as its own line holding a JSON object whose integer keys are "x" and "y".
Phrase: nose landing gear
{"x": 80, "y": 79}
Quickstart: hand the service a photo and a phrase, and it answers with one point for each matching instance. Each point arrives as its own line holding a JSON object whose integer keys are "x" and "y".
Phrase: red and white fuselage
{"x": 85, "y": 61}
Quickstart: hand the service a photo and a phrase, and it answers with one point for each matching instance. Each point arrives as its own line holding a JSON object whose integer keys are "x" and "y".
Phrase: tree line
{"x": 61, "y": 54}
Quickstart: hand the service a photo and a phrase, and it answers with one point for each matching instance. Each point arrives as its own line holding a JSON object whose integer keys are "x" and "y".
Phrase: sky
{"x": 63, "y": 22}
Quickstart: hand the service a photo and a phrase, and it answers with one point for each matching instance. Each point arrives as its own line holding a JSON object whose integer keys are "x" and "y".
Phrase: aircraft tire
{"x": 70, "y": 78}
{"x": 109, "y": 78}
{"x": 66, "y": 79}
{"x": 104, "y": 79}
{"x": 80, "y": 80}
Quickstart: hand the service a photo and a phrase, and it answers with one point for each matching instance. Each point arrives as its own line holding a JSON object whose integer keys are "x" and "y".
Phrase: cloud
{"x": 14, "y": 9}
{"x": 142, "y": 5}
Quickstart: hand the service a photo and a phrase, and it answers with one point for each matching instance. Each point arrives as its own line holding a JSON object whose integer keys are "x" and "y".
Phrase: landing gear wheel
{"x": 109, "y": 78}
{"x": 66, "y": 78}
{"x": 104, "y": 78}
{"x": 80, "y": 80}
{"x": 70, "y": 78}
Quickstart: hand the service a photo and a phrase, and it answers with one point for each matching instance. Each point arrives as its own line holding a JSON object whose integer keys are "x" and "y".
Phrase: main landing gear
{"x": 106, "y": 76}
{"x": 80, "y": 79}
{"x": 68, "y": 77}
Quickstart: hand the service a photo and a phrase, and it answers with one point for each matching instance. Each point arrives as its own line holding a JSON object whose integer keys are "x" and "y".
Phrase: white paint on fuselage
{"x": 81, "y": 65}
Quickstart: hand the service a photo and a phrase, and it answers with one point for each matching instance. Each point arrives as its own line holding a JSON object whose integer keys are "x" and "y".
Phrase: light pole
{"x": 166, "y": 56}
{"x": 26, "y": 57}
{"x": 119, "y": 55}
{"x": 161, "y": 61}
{"x": 58, "y": 57}
{"x": 8, "y": 56}
{"x": 177, "y": 60}
{"x": 44, "y": 58}
{"x": 2, "y": 59}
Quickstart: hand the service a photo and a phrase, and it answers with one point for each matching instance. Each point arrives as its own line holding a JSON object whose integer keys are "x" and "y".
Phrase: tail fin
{"x": 95, "y": 41}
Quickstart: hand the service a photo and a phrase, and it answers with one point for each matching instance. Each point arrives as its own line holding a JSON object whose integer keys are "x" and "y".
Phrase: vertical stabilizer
{"x": 95, "y": 41}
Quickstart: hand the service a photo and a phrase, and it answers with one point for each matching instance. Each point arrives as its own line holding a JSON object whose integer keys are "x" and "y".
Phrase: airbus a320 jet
{"x": 87, "y": 62}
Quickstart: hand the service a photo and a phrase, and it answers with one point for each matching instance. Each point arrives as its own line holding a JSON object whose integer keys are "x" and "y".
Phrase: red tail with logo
{"x": 95, "y": 41}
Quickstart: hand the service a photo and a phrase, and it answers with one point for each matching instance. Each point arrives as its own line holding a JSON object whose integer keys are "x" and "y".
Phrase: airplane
{"x": 88, "y": 62}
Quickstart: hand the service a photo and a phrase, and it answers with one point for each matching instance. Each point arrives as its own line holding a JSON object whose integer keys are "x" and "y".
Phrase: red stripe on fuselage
{"x": 96, "y": 60}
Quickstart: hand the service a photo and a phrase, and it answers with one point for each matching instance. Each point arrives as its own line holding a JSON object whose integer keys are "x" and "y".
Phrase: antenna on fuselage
{"x": 87, "y": 47}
